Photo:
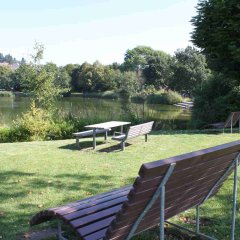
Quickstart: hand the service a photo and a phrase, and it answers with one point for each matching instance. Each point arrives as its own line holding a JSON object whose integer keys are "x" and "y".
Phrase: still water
{"x": 165, "y": 116}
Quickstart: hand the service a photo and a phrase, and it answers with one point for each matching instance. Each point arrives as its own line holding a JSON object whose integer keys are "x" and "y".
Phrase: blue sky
{"x": 74, "y": 31}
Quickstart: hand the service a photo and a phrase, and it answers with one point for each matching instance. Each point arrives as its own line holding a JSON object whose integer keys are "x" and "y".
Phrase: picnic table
{"x": 105, "y": 125}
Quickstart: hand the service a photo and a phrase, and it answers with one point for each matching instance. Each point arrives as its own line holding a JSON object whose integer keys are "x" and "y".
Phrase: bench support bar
{"x": 160, "y": 192}
{"x": 60, "y": 236}
{"x": 234, "y": 165}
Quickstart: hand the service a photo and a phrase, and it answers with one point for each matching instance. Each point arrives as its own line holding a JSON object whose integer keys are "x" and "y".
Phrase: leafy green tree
{"x": 152, "y": 66}
{"x": 158, "y": 70}
{"x": 217, "y": 33}
{"x": 189, "y": 70}
{"x": 6, "y": 82}
{"x": 40, "y": 83}
{"x": 137, "y": 58}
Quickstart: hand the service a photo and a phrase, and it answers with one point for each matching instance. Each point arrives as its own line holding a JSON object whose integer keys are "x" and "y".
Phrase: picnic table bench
{"x": 162, "y": 190}
{"x": 133, "y": 131}
{"x": 89, "y": 133}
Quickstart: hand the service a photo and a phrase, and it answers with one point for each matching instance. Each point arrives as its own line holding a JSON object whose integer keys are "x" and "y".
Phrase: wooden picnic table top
{"x": 107, "y": 125}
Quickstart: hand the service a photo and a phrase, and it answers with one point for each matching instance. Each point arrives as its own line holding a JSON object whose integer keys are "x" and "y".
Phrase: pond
{"x": 166, "y": 116}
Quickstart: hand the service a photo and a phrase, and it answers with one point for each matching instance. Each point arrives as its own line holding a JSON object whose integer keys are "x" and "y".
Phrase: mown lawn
{"x": 39, "y": 175}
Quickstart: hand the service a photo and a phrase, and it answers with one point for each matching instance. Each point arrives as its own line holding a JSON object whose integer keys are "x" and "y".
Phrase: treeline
{"x": 143, "y": 68}
{"x": 10, "y": 59}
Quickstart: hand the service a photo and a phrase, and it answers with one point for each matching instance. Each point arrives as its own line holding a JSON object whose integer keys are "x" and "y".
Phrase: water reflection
{"x": 166, "y": 117}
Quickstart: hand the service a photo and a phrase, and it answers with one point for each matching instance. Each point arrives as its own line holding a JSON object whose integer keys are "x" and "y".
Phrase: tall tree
{"x": 189, "y": 71}
{"x": 217, "y": 33}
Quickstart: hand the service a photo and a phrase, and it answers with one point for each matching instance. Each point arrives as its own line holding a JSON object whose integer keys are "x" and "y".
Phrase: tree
{"x": 217, "y": 33}
{"x": 40, "y": 83}
{"x": 189, "y": 71}
{"x": 158, "y": 70}
{"x": 6, "y": 82}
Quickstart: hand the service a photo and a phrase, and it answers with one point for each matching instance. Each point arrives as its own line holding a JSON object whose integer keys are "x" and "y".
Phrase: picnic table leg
{"x": 94, "y": 138}
{"x": 146, "y": 137}
{"x": 105, "y": 137}
{"x": 77, "y": 142}
{"x": 121, "y": 129}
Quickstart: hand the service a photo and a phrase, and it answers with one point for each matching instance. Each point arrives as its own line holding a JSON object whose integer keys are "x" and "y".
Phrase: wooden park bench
{"x": 133, "y": 131}
{"x": 89, "y": 133}
{"x": 231, "y": 121}
{"x": 162, "y": 190}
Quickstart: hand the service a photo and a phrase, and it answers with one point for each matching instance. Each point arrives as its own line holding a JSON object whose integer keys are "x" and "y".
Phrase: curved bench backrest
{"x": 191, "y": 181}
{"x": 139, "y": 129}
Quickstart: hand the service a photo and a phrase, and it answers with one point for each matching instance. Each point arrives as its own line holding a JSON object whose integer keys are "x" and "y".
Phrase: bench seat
{"x": 89, "y": 133}
{"x": 86, "y": 216}
{"x": 119, "y": 137}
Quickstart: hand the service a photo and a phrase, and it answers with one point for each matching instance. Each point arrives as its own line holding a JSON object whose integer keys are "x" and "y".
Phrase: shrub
{"x": 14, "y": 134}
{"x": 6, "y": 94}
{"x": 36, "y": 122}
{"x": 105, "y": 95}
{"x": 165, "y": 97}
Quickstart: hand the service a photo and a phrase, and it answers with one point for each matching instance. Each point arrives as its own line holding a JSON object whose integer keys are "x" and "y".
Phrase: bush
{"x": 14, "y": 134}
{"x": 165, "y": 97}
{"x": 105, "y": 95}
{"x": 215, "y": 100}
{"x": 6, "y": 94}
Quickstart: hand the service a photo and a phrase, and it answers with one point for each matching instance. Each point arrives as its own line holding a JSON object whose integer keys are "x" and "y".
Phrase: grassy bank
{"x": 159, "y": 97}
{"x": 39, "y": 175}
{"x": 6, "y": 94}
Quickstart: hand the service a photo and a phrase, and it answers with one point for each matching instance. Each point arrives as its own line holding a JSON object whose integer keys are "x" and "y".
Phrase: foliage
{"x": 36, "y": 122}
{"x": 6, "y": 94}
{"x": 158, "y": 71}
{"x": 165, "y": 97}
{"x": 10, "y": 59}
{"x": 104, "y": 95}
{"x": 41, "y": 80}
{"x": 219, "y": 21}
{"x": 129, "y": 85}
{"x": 188, "y": 71}
{"x": 5, "y": 78}
{"x": 215, "y": 100}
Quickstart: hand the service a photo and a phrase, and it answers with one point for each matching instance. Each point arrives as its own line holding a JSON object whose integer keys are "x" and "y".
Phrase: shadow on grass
{"x": 115, "y": 148}
{"x": 190, "y": 132}
{"x": 83, "y": 145}
{"x": 22, "y": 195}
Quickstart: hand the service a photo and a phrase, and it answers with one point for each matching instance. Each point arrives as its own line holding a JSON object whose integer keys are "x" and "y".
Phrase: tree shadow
{"x": 23, "y": 208}
{"x": 84, "y": 145}
{"x": 114, "y": 148}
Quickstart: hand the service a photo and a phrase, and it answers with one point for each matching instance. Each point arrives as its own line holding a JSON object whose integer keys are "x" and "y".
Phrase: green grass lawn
{"x": 39, "y": 175}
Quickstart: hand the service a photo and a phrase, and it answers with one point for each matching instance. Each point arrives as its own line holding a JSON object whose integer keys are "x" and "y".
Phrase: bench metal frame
{"x": 160, "y": 192}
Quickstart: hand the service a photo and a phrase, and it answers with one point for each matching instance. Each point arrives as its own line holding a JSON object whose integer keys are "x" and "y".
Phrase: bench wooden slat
{"x": 96, "y": 208}
{"x": 95, "y": 216}
{"x": 68, "y": 210}
{"x": 95, "y": 226}
{"x": 134, "y": 131}
{"x": 97, "y": 235}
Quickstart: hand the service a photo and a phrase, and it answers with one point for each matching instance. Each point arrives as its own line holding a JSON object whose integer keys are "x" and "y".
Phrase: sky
{"x": 75, "y": 31}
